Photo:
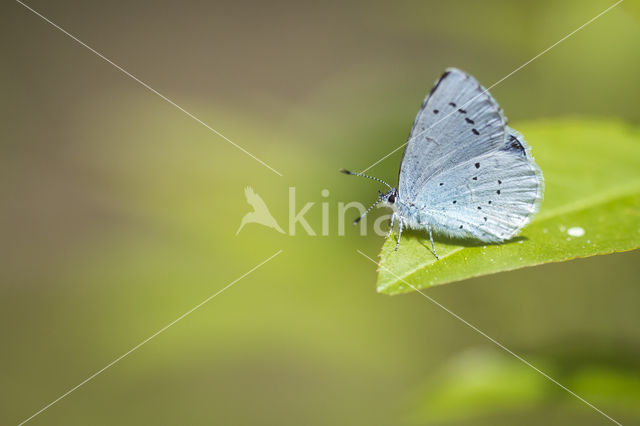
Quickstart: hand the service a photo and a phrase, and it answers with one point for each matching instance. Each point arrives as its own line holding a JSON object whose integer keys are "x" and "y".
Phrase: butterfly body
{"x": 464, "y": 172}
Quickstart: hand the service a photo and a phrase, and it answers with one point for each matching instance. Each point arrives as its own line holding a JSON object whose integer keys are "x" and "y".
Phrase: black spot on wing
{"x": 468, "y": 120}
{"x": 453, "y": 104}
{"x": 514, "y": 145}
{"x": 475, "y": 131}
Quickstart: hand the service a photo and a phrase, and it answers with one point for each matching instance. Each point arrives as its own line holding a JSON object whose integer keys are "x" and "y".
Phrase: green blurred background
{"x": 119, "y": 214}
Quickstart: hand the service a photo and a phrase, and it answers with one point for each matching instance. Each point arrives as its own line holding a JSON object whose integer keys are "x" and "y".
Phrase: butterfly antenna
{"x": 347, "y": 172}
{"x": 355, "y": 222}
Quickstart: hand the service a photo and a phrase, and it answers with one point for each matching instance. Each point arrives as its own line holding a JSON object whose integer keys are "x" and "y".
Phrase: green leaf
{"x": 483, "y": 382}
{"x": 478, "y": 383}
{"x": 592, "y": 179}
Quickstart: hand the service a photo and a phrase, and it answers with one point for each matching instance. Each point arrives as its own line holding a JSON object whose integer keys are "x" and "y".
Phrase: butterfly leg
{"x": 393, "y": 216}
{"x": 399, "y": 232}
{"x": 433, "y": 249}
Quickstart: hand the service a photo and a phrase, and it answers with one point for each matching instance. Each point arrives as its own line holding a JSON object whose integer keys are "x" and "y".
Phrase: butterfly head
{"x": 389, "y": 197}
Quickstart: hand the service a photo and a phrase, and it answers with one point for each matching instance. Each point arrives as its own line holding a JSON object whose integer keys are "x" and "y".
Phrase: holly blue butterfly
{"x": 464, "y": 173}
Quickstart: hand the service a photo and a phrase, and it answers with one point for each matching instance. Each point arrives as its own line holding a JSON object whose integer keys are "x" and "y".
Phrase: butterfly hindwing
{"x": 489, "y": 197}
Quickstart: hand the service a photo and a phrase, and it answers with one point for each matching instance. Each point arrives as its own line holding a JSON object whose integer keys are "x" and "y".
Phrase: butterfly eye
{"x": 392, "y": 198}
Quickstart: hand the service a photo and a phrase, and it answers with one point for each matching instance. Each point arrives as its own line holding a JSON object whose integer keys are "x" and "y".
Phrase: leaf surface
{"x": 591, "y": 206}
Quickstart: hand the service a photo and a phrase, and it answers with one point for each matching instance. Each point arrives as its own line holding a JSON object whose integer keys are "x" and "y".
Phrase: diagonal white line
{"x": 148, "y": 338}
{"x": 499, "y": 81}
{"x": 500, "y": 345}
{"x": 127, "y": 73}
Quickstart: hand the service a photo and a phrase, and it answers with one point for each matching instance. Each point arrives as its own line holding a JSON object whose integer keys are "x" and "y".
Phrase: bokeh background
{"x": 119, "y": 214}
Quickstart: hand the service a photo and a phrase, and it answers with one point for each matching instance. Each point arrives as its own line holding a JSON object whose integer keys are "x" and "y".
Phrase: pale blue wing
{"x": 490, "y": 197}
{"x": 458, "y": 121}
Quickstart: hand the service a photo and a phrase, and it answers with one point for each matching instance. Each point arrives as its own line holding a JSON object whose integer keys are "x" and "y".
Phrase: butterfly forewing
{"x": 458, "y": 121}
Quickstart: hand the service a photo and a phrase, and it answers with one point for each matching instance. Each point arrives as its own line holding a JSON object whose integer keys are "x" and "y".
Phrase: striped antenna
{"x": 347, "y": 172}
{"x": 355, "y": 222}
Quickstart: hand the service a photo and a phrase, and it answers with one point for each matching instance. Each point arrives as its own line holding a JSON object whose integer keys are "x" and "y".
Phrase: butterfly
{"x": 464, "y": 174}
